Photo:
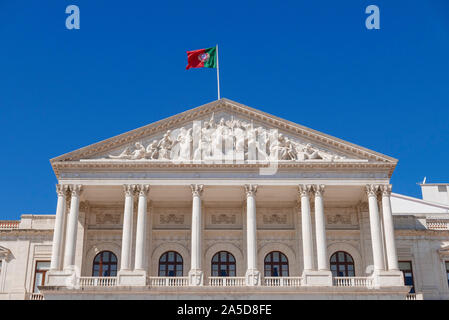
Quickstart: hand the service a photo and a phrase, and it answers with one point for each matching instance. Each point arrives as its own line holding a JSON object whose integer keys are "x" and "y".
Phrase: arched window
{"x": 342, "y": 264}
{"x": 170, "y": 264}
{"x": 105, "y": 265}
{"x": 276, "y": 264}
{"x": 223, "y": 264}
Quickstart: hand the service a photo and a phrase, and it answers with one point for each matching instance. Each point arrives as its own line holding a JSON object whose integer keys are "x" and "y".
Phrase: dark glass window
{"x": 406, "y": 268}
{"x": 447, "y": 272}
{"x": 342, "y": 264}
{"x": 171, "y": 265}
{"x": 105, "y": 265}
{"x": 276, "y": 265}
{"x": 223, "y": 265}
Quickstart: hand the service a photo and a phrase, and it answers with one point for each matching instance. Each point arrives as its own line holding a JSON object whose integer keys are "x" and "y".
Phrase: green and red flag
{"x": 202, "y": 58}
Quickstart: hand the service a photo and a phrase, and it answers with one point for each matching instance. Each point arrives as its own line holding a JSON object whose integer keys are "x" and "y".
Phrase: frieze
{"x": 171, "y": 218}
{"x": 275, "y": 218}
{"x": 224, "y": 138}
{"x": 341, "y": 218}
{"x": 223, "y": 218}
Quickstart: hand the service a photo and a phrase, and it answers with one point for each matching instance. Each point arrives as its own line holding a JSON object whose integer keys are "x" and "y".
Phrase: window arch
{"x": 170, "y": 264}
{"x": 342, "y": 264}
{"x": 276, "y": 264}
{"x": 105, "y": 264}
{"x": 223, "y": 265}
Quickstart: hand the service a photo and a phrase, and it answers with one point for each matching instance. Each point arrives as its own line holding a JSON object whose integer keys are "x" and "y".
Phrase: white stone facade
{"x": 162, "y": 189}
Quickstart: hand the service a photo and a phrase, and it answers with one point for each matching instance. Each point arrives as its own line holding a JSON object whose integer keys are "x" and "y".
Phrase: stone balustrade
{"x": 227, "y": 281}
{"x": 437, "y": 224}
{"x": 9, "y": 225}
{"x": 366, "y": 282}
{"x": 282, "y": 281}
{"x": 97, "y": 282}
{"x": 168, "y": 281}
{"x": 35, "y": 296}
{"x": 414, "y": 296}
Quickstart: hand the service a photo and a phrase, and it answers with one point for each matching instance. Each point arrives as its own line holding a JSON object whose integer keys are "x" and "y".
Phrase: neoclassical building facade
{"x": 224, "y": 201}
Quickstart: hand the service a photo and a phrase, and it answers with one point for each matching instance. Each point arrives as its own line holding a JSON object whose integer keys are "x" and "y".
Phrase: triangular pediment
{"x": 196, "y": 134}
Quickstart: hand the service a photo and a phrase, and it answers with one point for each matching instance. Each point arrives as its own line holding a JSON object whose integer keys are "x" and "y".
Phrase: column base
{"x": 133, "y": 278}
{"x": 62, "y": 278}
{"x": 252, "y": 277}
{"x": 322, "y": 278}
{"x": 383, "y": 278}
{"x": 196, "y": 277}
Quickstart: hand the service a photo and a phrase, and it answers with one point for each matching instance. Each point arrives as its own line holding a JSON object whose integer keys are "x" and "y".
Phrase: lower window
{"x": 406, "y": 268}
{"x": 447, "y": 272}
{"x": 39, "y": 274}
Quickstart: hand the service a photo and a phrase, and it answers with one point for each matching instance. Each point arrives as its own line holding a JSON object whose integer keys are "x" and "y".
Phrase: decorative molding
{"x": 318, "y": 190}
{"x": 197, "y": 190}
{"x": 143, "y": 190}
{"x": 62, "y": 190}
{"x": 76, "y": 190}
{"x": 250, "y": 190}
{"x": 304, "y": 190}
{"x": 372, "y": 190}
{"x": 386, "y": 190}
{"x": 341, "y": 218}
{"x": 171, "y": 219}
{"x": 130, "y": 190}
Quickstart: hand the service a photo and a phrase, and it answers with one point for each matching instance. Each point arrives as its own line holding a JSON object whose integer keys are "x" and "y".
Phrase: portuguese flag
{"x": 202, "y": 58}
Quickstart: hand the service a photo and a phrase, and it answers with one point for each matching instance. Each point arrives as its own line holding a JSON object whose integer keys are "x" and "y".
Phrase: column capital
{"x": 129, "y": 189}
{"x": 143, "y": 189}
{"x": 76, "y": 190}
{"x": 318, "y": 189}
{"x": 197, "y": 189}
{"x": 250, "y": 190}
{"x": 61, "y": 190}
{"x": 304, "y": 190}
{"x": 371, "y": 190}
{"x": 386, "y": 190}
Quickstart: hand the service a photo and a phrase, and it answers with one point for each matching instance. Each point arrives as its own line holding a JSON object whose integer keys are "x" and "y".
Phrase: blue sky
{"x": 311, "y": 62}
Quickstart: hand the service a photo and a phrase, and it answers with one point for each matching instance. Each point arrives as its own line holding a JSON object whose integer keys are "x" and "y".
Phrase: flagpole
{"x": 218, "y": 74}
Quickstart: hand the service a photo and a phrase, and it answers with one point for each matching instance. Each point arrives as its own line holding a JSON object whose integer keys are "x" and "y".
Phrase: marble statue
{"x": 231, "y": 139}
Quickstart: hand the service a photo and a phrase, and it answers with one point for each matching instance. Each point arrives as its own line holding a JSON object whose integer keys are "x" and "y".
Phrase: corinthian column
{"x": 392, "y": 257}
{"x": 141, "y": 232}
{"x": 376, "y": 234}
{"x": 307, "y": 239}
{"x": 320, "y": 227}
{"x": 127, "y": 227}
{"x": 56, "y": 260}
{"x": 72, "y": 226}
{"x": 252, "y": 273}
{"x": 195, "y": 273}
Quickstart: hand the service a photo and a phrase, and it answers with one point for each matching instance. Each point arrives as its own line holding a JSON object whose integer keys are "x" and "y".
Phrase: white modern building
{"x": 225, "y": 201}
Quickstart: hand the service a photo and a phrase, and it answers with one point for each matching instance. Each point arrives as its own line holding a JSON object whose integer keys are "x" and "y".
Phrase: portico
{"x": 224, "y": 196}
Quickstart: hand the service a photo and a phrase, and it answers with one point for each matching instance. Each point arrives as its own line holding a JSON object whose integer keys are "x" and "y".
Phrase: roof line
{"x": 435, "y": 204}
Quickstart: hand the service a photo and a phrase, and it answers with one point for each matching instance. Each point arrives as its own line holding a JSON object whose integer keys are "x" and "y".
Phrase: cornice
{"x": 222, "y": 105}
{"x": 117, "y": 166}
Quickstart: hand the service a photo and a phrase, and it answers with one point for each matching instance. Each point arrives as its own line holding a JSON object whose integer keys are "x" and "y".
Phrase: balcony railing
{"x": 366, "y": 282}
{"x": 414, "y": 296}
{"x": 226, "y": 281}
{"x": 437, "y": 224}
{"x": 35, "y": 296}
{"x": 9, "y": 225}
{"x": 168, "y": 281}
{"x": 98, "y": 282}
{"x": 282, "y": 281}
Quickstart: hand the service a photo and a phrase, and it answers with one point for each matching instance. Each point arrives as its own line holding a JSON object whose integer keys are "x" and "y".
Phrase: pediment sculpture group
{"x": 224, "y": 140}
